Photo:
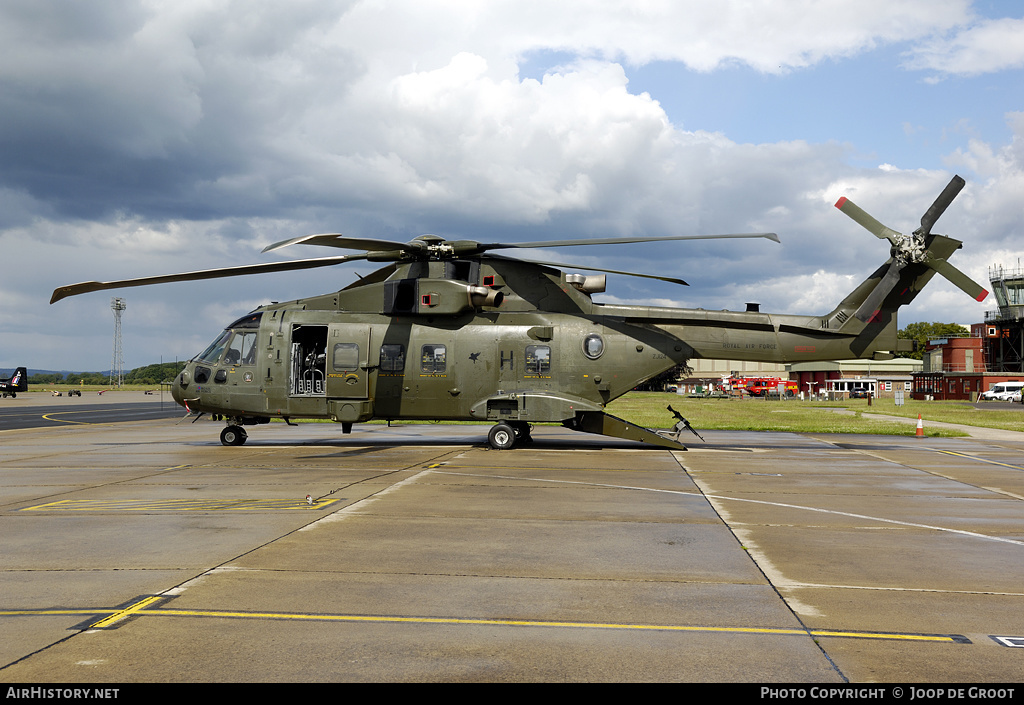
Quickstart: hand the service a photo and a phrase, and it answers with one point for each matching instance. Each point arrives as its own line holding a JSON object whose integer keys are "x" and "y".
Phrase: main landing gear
{"x": 507, "y": 434}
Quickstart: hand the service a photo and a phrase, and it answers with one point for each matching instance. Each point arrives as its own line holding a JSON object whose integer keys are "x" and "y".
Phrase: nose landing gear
{"x": 233, "y": 435}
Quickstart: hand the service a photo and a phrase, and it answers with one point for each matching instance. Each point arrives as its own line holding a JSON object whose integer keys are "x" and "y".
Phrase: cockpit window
{"x": 242, "y": 349}
{"x": 216, "y": 349}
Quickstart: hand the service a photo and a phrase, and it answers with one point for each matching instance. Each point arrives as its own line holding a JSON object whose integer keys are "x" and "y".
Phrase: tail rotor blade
{"x": 873, "y": 303}
{"x": 959, "y": 279}
{"x": 866, "y": 220}
{"x": 941, "y": 204}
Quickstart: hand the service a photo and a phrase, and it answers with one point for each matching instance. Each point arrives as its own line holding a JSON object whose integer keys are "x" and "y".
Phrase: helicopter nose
{"x": 179, "y": 385}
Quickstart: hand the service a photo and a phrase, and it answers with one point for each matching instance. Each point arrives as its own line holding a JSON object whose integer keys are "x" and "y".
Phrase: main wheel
{"x": 233, "y": 436}
{"x": 501, "y": 437}
{"x": 522, "y": 430}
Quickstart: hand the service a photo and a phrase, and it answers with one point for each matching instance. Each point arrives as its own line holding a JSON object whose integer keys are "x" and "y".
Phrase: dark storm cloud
{"x": 105, "y": 107}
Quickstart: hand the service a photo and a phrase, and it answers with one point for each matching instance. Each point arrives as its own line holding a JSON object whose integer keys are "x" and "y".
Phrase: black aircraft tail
{"x": 18, "y": 382}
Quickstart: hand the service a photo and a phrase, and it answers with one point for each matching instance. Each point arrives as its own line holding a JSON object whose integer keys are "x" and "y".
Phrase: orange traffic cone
{"x": 920, "y": 427}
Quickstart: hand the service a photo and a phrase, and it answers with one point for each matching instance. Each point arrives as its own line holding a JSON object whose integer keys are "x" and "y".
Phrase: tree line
{"x": 923, "y": 332}
{"x": 150, "y": 374}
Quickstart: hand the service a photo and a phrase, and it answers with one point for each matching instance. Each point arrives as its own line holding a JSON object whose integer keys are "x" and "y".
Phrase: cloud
{"x": 252, "y": 108}
{"x": 770, "y": 37}
{"x": 148, "y": 137}
{"x": 984, "y": 47}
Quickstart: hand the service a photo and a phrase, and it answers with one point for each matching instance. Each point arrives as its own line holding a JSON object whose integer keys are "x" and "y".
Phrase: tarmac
{"x": 145, "y": 551}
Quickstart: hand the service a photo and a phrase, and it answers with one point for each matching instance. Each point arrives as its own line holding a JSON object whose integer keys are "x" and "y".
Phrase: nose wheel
{"x": 233, "y": 436}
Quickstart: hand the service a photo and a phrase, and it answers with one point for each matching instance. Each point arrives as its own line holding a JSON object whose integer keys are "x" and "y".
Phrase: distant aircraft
{"x": 18, "y": 382}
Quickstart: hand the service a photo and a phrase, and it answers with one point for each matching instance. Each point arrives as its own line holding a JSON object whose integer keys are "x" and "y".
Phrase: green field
{"x": 648, "y": 409}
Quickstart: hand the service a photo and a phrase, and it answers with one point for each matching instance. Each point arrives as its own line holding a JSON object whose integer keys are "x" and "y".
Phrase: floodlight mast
{"x": 117, "y": 305}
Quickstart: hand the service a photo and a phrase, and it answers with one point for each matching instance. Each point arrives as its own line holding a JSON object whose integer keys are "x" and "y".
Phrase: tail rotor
{"x": 916, "y": 248}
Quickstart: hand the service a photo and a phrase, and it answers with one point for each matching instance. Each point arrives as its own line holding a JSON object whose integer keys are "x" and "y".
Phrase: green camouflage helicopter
{"x": 451, "y": 330}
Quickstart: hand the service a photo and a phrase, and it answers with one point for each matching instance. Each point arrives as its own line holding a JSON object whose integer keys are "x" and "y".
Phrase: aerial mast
{"x": 117, "y": 305}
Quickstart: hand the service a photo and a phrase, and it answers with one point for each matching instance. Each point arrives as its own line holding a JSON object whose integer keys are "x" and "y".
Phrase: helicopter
{"x": 451, "y": 330}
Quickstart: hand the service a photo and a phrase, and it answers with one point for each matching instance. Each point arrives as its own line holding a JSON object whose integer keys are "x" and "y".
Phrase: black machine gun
{"x": 683, "y": 424}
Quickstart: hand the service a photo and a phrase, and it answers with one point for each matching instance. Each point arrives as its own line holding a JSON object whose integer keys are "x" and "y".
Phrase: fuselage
{"x": 433, "y": 341}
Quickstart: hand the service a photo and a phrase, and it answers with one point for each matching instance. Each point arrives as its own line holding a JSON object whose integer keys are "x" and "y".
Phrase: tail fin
{"x": 18, "y": 382}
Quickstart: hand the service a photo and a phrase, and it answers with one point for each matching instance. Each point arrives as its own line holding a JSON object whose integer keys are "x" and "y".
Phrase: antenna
{"x": 117, "y": 305}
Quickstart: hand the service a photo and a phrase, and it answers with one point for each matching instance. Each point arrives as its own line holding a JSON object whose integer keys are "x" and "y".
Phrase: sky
{"x": 142, "y": 137}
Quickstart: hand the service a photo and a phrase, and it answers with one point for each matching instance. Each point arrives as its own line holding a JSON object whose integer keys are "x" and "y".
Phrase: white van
{"x": 1002, "y": 391}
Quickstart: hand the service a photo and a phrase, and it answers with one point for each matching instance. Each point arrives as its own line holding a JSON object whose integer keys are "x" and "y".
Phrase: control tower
{"x": 1004, "y": 329}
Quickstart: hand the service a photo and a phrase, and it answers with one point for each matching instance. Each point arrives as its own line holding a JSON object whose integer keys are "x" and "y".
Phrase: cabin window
{"x": 538, "y": 360}
{"x": 345, "y": 357}
{"x": 433, "y": 360}
{"x": 392, "y": 358}
{"x": 593, "y": 346}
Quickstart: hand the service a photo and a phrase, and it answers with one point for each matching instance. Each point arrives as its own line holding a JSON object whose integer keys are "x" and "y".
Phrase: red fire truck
{"x": 765, "y": 386}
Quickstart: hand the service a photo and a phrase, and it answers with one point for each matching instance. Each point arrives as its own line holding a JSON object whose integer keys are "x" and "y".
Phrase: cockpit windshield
{"x": 212, "y": 354}
{"x": 239, "y": 339}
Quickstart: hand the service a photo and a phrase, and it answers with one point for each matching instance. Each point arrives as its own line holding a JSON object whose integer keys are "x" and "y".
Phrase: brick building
{"x": 963, "y": 368}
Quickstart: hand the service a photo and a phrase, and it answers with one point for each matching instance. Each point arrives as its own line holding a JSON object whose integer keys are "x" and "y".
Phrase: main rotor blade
{"x": 621, "y": 241}
{"x": 873, "y": 303}
{"x": 342, "y": 241}
{"x": 866, "y": 220}
{"x": 86, "y": 287}
{"x": 941, "y": 204}
{"x": 959, "y": 279}
{"x": 671, "y": 280}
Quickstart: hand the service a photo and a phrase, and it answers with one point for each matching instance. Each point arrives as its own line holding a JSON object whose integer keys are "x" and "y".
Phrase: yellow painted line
{"x": 981, "y": 460}
{"x": 125, "y": 613}
{"x": 49, "y": 417}
{"x": 138, "y": 609}
{"x": 943, "y": 638}
{"x": 532, "y": 623}
{"x": 177, "y": 505}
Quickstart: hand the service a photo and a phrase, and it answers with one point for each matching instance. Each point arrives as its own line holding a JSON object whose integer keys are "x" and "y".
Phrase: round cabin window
{"x": 593, "y": 346}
